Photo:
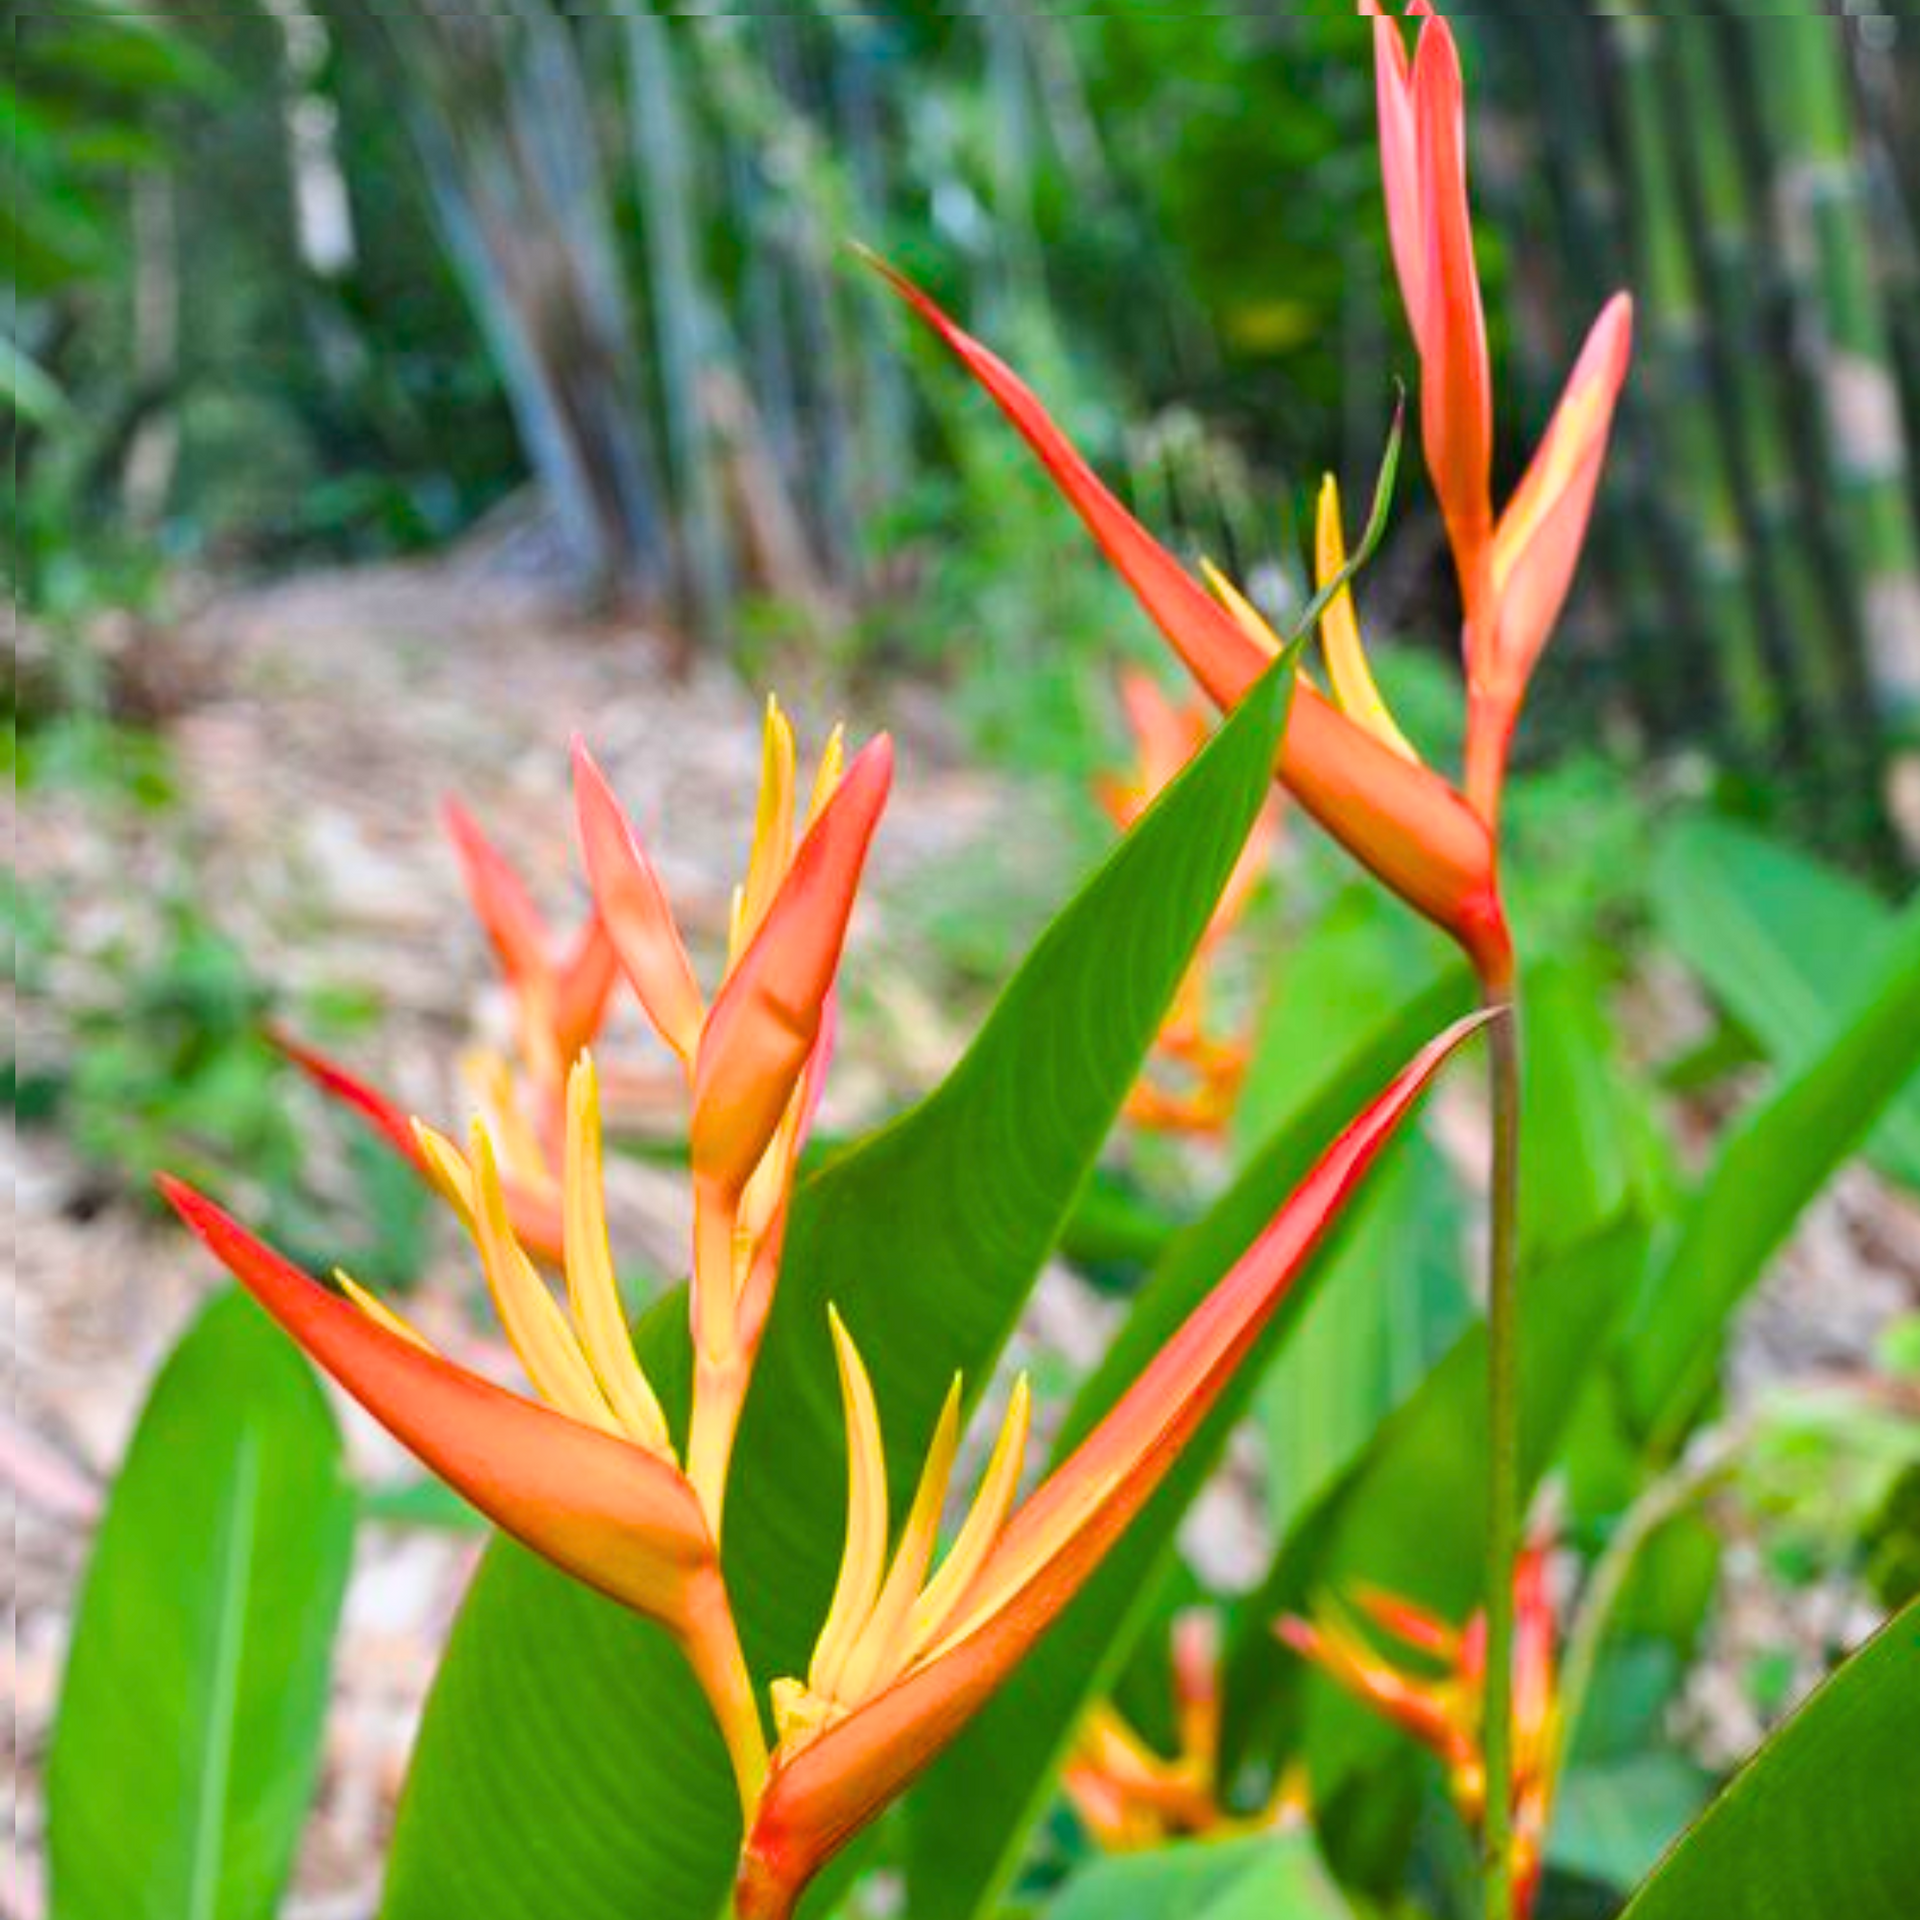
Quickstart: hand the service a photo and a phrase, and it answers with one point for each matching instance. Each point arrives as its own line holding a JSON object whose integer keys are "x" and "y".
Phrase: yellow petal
{"x": 1251, "y": 621}
{"x": 591, "y": 1285}
{"x": 530, "y": 1315}
{"x": 446, "y": 1167}
{"x": 885, "y": 1647}
{"x": 378, "y": 1312}
{"x": 982, "y": 1526}
{"x": 1354, "y": 687}
{"x": 865, "y": 1559}
{"x": 773, "y": 825}
{"x": 833, "y": 763}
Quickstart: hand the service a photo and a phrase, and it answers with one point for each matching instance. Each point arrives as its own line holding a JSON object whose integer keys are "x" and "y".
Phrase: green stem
{"x": 1666, "y": 1500}
{"x": 1503, "y": 1452}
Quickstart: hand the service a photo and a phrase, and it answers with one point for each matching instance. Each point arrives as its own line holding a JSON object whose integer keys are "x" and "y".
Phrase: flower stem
{"x": 1503, "y": 1453}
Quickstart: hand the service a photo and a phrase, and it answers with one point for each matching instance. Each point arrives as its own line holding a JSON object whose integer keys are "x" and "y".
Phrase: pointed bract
{"x": 633, "y": 907}
{"x": 519, "y": 936}
{"x": 1456, "y": 387}
{"x": 603, "y": 1511}
{"x": 767, "y": 1020}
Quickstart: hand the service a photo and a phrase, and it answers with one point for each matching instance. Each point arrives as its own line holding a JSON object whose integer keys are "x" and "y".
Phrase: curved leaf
{"x": 1821, "y": 1823}
{"x": 1783, "y": 942}
{"x": 563, "y": 1767}
{"x": 189, "y": 1730}
{"x": 1770, "y": 1169}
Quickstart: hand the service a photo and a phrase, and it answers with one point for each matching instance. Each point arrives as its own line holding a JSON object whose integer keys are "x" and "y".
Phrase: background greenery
{"x": 333, "y": 278}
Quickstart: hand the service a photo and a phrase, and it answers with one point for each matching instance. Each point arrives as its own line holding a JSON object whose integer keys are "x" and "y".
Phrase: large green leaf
{"x": 1272, "y": 1877}
{"x": 1591, "y": 1145}
{"x": 1820, "y": 1825}
{"x": 970, "y": 1818}
{"x": 1783, "y": 943}
{"x": 565, "y": 1765}
{"x": 1771, "y": 1167}
{"x": 189, "y": 1729}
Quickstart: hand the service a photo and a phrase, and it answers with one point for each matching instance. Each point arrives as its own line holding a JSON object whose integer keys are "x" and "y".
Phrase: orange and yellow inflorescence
{"x": 1441, "y": 1702}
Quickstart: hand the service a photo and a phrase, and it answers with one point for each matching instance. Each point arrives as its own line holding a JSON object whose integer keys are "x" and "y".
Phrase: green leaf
{"x": 1783, "y": 943}
{"x": 1590, "y": 1144}
{"x": 566, "y": 1764}
{"x": 1820, "y": 1823}
{"x": 189, "y": 1729}
{"x": 1612, "y": 1823}
{"x": 1272, "y": 1877}
{"x": 970, "y": 1818}
{"x": 1771, "y": 1167}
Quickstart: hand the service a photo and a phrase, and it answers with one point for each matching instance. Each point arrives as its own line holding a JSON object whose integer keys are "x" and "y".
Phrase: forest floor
{"x": 333, "y": 713}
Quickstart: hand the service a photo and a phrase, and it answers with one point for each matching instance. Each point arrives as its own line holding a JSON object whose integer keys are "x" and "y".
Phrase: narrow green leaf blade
{"x": 1821, "y": 1823}
{"x": 1784, "y": 943}
{"x": 563, "y": 1766}
{"x": 189, "y": 1728}
{"x": 1772, "y": 1166}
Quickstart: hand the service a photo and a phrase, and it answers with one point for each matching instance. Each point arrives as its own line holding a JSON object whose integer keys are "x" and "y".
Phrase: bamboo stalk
{"x": 1702, "y": 496}
{"x": 1562, "y": 58}
{"x": 1810, "y": 624}
{"x": 503, "y": 124}
{"x": 686, "y": 335}
{"x": 1827, "y": 248}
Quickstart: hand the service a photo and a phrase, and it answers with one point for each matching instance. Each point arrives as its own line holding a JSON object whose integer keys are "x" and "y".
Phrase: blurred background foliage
{"x": 309, "y": 278}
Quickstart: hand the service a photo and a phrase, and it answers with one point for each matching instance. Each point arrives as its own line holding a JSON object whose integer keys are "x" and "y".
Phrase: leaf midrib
{"x": 214, "y": 1776}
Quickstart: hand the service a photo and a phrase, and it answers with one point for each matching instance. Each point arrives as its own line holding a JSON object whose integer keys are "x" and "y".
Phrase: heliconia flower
{"x": 1402, "y": 821}
{"x": 1202, "y": 1075}
{"x": 1514, "y": 569}
{"x": 560, "y": 998}
{"x": 1443, "y": 1707}
{"x": 1130, "y": 1798}
{"x": 755, "y": 1058}
{"x": 905, "y": 1661}
{"x": 585, "y": 1475}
